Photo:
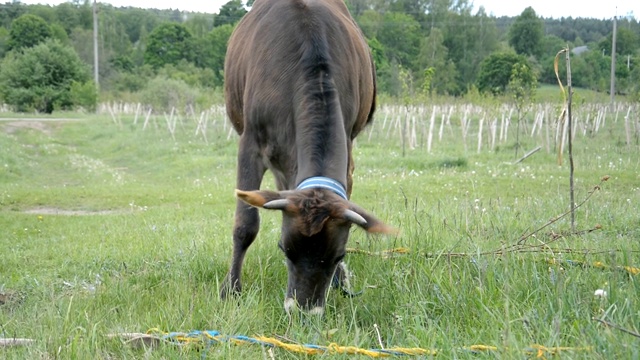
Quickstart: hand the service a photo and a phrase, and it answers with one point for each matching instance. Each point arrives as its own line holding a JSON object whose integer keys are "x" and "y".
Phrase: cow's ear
{"x": 257, "y": 198}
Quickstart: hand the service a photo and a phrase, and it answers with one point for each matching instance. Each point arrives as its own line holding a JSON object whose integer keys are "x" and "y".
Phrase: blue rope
{"x": 324, "y": 183}
{"x": 210, "y": 337}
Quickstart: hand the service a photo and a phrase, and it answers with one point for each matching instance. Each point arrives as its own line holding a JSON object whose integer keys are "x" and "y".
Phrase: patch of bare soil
{"x": 9, "y": 298}
{"x": 11, "y": 125}
{"x": 56, "y": 211}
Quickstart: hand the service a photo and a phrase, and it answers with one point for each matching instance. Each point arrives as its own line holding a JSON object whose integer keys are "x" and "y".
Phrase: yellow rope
{"x": 213, "y": 337}
{"x": 596, "y": 264}
{"x": 384, "y": 253}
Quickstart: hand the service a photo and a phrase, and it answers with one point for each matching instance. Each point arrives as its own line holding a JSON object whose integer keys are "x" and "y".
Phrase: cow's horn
{"x": 354, "y": 217}
{"x": 279, "y": 204}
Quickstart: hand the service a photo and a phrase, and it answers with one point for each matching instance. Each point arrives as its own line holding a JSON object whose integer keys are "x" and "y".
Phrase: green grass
{"x": 145, "y": 239}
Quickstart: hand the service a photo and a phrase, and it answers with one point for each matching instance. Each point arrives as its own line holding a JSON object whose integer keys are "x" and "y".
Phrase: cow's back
{"x": 263, "y": 68}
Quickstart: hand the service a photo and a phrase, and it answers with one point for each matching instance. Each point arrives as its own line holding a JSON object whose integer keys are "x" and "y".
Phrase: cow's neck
{"x": 322, "y": 150}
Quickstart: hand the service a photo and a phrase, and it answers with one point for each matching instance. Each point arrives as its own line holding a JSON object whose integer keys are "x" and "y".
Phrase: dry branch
{"x": 524, "y": 238}
{"x": 617, "y": 327}
{"x": 137, "y": 340}
{"x": 528, "y": 154}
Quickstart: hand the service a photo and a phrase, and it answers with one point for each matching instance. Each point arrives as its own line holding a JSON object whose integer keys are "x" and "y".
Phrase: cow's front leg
{"x": 341, "y": 281}
{"x": 247, "y": 221}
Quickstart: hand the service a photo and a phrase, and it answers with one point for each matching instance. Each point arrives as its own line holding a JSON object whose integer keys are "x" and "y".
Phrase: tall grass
{"x": 107, "y": 227}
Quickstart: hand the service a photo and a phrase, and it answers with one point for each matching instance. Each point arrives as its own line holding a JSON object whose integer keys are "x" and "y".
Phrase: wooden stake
{"x": 11, "y": 342}
{"x": 480, "y": 134}
{"x": 146, "y": 120}
{"x": 430, "y": 135}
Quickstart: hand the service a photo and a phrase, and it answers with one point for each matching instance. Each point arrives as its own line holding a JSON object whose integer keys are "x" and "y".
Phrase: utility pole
{"x": 613, "y": 60}
{"x": 96, "y": 76}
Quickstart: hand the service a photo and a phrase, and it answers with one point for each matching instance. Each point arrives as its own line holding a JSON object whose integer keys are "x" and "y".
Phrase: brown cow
{"x": 299, "y": 87}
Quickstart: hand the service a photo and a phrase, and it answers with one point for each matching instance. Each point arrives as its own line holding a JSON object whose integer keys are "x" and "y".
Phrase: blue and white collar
{"x": 325, "y": 183}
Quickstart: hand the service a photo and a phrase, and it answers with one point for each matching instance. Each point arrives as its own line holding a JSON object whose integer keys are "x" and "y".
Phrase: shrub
{"x": 168, "y": 44}
{"x": 84, "y": 94}
{"x": 496, "y": 71}
{"x": 28, "y": 30}
{"x": 164, "y": 94}
{"x": 41, "y": 78}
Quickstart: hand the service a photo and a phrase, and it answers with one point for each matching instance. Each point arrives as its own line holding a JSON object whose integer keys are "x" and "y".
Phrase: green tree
{"x": 522, "y": 87}
{"x": 199, "y": 25}
{"x": 82, "y": 42}
{"x": 550, "y": 46}
{"x": 85, "y": 13}
{"x": 113, "y": 35}
{"x": 67, "y": 16}
{"x": 589, "y": 69}
{"x": 526, "y": 33}
{"x": 193, "y": 76}
{"x": 28, "y": 30}
{"x": 41, "y": 78}
{"x": 46, "y": 12}
{"x": 434, "y": 55}
{"x": 164, "y": 94}
{"x": 370, "y": 22}
{"x": 230, "y": 13}
{"x": 627, "y": 42}
{"x": 496, "y": 71}
{"x": 357, "y": 7}
{"x": 136, "y": 22}
{"x": 400, "y": 36}
{"x": 469, "y": 39}
{"x": 131, "y": 81}
{"x": 122, "y": 62}
{"x": 4, "y": 39}
{"x": 58, "y": 33}
{"x": 213, "y": 49}
{"x": 382, "y": 64}
{"x": 9, "y": 11}
{"x": 634, "y": 81}
{"x": 415, "y": 8}
{"x": 168, "y": 44}
{"x": 437, "y": 13}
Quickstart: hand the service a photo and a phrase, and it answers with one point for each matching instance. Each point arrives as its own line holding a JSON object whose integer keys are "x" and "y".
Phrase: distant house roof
{"x": 579, "y": 49}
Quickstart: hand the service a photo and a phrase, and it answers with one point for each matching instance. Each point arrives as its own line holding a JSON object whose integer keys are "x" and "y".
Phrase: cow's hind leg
{"x": 247, "y": 221}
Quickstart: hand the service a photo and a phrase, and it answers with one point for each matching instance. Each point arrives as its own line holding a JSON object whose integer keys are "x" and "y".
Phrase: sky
{"x": 545, "y": 8}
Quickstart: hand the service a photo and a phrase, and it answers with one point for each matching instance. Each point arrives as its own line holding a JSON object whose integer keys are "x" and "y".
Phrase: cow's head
{"x": 315, "y": 229}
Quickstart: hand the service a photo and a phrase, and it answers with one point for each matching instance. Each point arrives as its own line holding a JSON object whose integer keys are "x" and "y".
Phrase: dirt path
{"x": 10, "y": 125}
{"x": 56, "y": 211}
{"x": 38, "y": 119}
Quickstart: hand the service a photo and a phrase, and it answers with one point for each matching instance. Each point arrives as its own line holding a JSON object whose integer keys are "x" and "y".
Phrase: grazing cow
{"x": 299, "y": 87}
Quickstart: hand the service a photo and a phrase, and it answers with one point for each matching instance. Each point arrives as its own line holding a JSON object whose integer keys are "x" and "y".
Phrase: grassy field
{"x": 108, "y": 227}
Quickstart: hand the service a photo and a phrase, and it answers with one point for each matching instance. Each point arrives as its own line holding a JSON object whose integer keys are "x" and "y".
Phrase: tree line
{"x": 174, "y": 58}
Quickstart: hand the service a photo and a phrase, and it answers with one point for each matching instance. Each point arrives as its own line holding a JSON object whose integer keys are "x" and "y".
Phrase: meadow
{"x": 121, "y": 222}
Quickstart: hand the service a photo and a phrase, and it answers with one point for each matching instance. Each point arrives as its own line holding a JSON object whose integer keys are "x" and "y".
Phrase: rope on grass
{"x": 212, "y": 337}
{"x": 384, "y": 253}
{"x": 596, "y": 264}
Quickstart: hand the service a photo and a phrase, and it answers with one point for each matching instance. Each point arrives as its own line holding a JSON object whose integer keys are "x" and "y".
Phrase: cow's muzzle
{"x": 290, "y": 305}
